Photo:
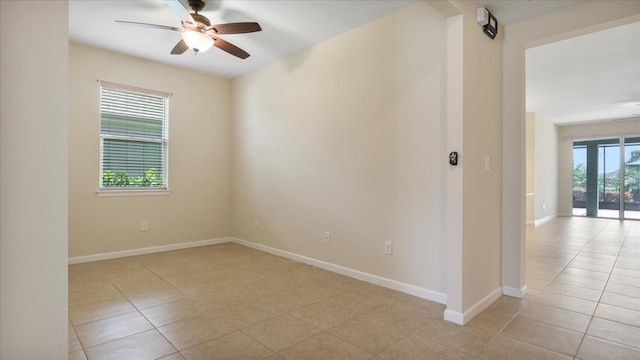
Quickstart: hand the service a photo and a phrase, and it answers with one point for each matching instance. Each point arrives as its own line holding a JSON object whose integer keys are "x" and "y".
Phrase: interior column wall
{"x": 473, "y": 130}
{"x": 454, "y": 229}
{"x": 33, "y": 180}
{"x": 483, "y": 164}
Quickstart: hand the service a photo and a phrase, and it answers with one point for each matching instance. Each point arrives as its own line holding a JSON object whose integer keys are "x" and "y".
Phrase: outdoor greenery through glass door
{"x": 597, "y": 186}
{"x": 632, "y": 178}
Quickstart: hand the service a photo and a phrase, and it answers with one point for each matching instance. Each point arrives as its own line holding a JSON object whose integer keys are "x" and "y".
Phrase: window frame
{"x": 163, "y": 140}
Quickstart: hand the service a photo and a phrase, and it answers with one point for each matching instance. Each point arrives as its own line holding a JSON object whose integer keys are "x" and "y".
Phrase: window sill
{"x": 132, "y": 192}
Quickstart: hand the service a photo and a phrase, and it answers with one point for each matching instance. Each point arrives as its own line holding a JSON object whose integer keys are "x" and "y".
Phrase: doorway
{"x": 606, "y": 178}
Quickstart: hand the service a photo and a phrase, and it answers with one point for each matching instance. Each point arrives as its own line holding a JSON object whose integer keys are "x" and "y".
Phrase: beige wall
{"x": 566, "y": 136}
{"x": 546, "y": 169}
{"x": 454, "y": 174}
{"x": 482, "y": 82}
{"x": 33, "y": 180}
{"x": 530, "y": 182}
{"x": 541, "y": 183}
{"x": 581, "y": 18}
{"x": 199, "y": 159}
{"x": 348, "y": 137}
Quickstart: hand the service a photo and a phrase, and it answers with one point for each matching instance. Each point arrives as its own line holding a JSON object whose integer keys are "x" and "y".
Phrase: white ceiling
{"x": 287, "y": 27}
{"x": 511, "y": 11}
{"x": 290, "y": 26}
{"x": 593, "y": 77}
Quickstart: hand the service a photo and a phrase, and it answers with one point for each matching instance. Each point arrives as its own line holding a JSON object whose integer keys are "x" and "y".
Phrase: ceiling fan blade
{"x": 180, "y": 48}
{"x": 180, "y": 10}
{"x": 153, "y": 26}
{"x": 236, "y": 28}
{"x": 230, "y": 48}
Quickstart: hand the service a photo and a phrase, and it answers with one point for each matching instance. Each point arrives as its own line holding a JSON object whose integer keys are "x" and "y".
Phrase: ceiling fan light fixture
{"x": 196, "y": 40}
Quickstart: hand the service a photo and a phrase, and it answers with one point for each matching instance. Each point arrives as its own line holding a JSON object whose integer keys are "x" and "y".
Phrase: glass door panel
{"x": 632, "y": 178}
{"x": 579, "y": 180}
{"x": 609, "y": 178}
{"x": 596, "y": 178}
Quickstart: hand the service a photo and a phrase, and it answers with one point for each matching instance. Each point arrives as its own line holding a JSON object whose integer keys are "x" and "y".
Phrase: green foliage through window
{"x": 580, "y": 176}
{"x": 608, "y": 185}
{"x": 122, "y": 179}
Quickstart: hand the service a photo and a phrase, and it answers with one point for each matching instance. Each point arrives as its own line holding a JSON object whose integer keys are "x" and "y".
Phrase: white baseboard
{"x": 545, "y": 220}
{"x": 148, "y": 250}
{"x": 462, "y": 318}
{"x": 515, "y": 292}
{"x": 370, "y": 278}
{"x": 454, "y": 317}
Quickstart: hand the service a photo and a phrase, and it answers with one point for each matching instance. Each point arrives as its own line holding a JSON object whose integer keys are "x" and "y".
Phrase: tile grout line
{"x": 601, "y": 295}
{"x": 138, "y": 310}
{"x": 178, "y": 351}
{"x": 500, "y": 331}
{"x": 554, "y": 277}
{"x": 569, "y": 262}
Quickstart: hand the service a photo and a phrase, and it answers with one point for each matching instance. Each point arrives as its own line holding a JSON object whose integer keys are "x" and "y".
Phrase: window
{"x": 133, "y": 138}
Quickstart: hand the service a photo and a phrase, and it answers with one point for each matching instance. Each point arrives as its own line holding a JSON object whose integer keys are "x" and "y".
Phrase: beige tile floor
{"x": 232, "y": 302}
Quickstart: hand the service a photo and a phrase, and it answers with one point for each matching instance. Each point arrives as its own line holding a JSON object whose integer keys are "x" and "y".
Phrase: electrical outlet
{"x": 327, "y": 237}
{"x": 144, "y": 226}
{"x": 388, "y": 247}
{"x": 256, "y": 223}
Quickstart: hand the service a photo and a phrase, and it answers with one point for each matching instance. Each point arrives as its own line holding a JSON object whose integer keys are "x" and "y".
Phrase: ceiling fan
{"x": 197, "y": 31}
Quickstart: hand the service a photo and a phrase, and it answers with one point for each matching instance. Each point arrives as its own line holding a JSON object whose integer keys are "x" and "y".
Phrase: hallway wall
{"x": 546, "y": 169}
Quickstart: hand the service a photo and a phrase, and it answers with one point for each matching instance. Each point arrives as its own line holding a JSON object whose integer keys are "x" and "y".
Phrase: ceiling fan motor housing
{"x": 197, "y": 5}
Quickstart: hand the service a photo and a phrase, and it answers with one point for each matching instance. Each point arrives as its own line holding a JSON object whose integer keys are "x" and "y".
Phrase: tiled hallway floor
{"x": 232, "y": 302}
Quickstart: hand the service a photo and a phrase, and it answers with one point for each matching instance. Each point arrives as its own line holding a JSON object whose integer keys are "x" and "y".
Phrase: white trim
{"x": 454, "y": 317}
{"x": 134, "y": 89}
{"x": 133, "y": 192}
{"x": 545, "y": 220}
{"x": 515, "y": 292}
{"x": 602, "y": 136}
{"x": 370, "y": 278}
{"x": 461, "y": 319}
{"x": 148, "y": 250}
{"x": 529, "y": 222}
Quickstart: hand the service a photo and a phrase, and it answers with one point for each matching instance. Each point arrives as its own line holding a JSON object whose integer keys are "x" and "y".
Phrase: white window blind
{"x": 133, "y": 138}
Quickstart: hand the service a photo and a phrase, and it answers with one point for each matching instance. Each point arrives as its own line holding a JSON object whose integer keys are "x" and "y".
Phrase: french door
{"x": 606, "y": 178}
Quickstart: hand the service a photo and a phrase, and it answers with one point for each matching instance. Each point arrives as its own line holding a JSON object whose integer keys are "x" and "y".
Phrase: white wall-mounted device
{"x": 489, "y": 23}
{"x": 482, "y": 16}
